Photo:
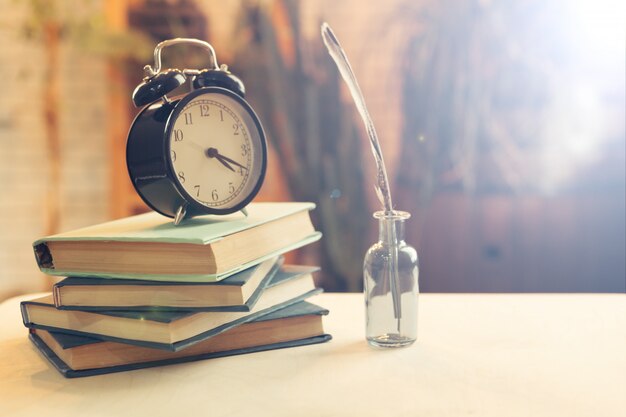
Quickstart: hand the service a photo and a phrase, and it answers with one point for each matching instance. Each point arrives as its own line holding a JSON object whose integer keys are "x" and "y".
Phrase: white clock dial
{"x": 215, "y": 151}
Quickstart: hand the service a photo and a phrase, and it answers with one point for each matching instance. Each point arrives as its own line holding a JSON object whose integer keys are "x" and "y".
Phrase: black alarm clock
{"x": 203, "y": 152}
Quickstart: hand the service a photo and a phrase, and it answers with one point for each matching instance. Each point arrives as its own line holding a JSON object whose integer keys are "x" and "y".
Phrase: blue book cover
{"x": 78, "y": 356}
{"x": 70, "y": 373}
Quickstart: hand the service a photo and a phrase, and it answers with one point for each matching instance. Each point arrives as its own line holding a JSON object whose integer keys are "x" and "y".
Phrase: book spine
{"x": 43, "y": 255}
{"x": 25, "y": 317}
{"x": 56, "y": 295}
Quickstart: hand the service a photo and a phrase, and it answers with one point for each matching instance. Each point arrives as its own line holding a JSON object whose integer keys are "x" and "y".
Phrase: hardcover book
{"x": 169, "y": 330}
{"x": 239, "y": 292}
{"x": 76, "y": 356}
{"x": 206, "y": 248}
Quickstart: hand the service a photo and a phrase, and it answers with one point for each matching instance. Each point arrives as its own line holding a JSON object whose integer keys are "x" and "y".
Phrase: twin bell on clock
{"x": 202, "y": 152}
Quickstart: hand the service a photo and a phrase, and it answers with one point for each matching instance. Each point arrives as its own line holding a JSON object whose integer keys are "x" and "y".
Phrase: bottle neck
{"x": 390, "y": 231}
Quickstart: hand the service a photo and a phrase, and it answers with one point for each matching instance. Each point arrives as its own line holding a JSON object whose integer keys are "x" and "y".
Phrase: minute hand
{"x": 227, "y": 159}
{"x": 221, "y": 160}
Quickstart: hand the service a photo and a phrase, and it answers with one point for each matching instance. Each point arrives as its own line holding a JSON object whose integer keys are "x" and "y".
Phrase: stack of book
{"x": 141, "y": 292}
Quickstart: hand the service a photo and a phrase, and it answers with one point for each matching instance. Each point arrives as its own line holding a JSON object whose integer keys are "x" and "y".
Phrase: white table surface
{"x": 477, "y": 355}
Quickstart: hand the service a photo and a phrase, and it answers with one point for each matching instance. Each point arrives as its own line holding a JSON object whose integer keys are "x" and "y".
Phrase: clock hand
{"x": 213, "y": 153}
{"x": 227, "y": 159}
{"x": 194, "y": 144}
{"x": 223, "y": 162}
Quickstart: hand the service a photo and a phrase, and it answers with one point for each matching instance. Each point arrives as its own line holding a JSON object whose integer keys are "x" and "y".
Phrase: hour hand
{"x": 224, "y": 160}
{"x": 214, "y": 153}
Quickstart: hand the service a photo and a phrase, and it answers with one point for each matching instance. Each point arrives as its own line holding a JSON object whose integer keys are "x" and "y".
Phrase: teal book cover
{"x": 239, "y": 292}
{"x": 169, "y": 330}
{"x": 203, "y": 249}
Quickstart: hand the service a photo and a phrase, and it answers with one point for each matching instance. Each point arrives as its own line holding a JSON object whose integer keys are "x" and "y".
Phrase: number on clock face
{"x": 212, "y": 151}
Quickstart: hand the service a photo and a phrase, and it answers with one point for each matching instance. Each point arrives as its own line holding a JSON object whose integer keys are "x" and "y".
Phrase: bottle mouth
{"x": 392, "y": 215}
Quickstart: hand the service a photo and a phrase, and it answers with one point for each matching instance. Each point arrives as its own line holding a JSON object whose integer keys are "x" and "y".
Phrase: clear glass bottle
{"x": 390, "y": 271}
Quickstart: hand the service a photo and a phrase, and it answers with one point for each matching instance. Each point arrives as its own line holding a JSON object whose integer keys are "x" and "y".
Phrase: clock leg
{"x": 180, "y": 214}
{"x": 244, "y": 211}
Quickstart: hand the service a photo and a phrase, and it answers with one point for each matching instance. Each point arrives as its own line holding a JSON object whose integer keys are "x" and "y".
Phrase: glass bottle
{"x": 390, "y": 271}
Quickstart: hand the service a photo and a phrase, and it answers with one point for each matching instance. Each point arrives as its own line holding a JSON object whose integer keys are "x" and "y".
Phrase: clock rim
{"x": 169, "y": 125}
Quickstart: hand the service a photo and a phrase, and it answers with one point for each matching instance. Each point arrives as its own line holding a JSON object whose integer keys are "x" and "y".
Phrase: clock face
{"x": 217, "y": 150}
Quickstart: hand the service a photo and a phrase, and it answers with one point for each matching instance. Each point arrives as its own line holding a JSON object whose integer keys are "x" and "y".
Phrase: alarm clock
{"x": 202, "y": 152}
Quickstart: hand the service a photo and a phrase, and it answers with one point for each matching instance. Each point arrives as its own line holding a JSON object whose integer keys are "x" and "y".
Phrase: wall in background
{"x": 26, "y": 172}
{"x": 502, "y": 127}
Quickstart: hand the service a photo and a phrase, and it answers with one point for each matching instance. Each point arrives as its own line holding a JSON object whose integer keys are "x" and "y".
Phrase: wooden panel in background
{"x": 505, "y": 243}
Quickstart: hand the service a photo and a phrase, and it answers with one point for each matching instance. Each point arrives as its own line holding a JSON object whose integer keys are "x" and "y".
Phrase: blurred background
{"x": 502, "y": 126}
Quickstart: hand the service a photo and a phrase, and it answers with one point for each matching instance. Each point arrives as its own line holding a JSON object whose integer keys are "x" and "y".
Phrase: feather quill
{"x": 382, "y": 183}
{"x": 341, "y": 60}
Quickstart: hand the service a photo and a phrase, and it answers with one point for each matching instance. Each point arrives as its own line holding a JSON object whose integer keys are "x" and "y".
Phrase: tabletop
{"x": 476, "y": 354}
